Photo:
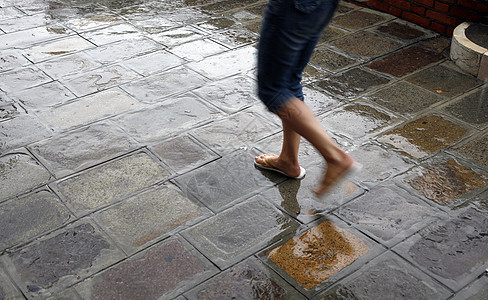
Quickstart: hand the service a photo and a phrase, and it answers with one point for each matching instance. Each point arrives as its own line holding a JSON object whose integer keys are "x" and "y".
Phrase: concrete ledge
{"x": 467, "y": 55}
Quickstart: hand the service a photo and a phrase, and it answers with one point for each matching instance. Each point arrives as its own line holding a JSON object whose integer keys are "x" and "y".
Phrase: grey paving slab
{"x": 359, "y": 19}
{"x": 231, "y": 94}
{"x": 56, "y": 48}
{"x": 198, "y": 49}
{"x": 149, "y": 217}
{"x": 228, "y": 63}
{"x": 481, "y": 199}
{"x": 20, "y": 173}
{"x": 100, "y": 79}
{"x": 453, "y": 251}
{"x": 471, "y": 108}
{"x": 26, "y": 22}
{"x": 313, "y": 259}
{"x": 319, "y": 102}
{"x": 11, "y": 59}
{"x": 331, "y": 33}
{"x": 445, "y": 180}
{"x": 250, "y": 279}
{"x": 226, "y": 181}
{"x": 43, "y": 96}
{"x": 388, "y": 213}
{"x": 350, "y": 84}
{"x": 113, "y": 33}
{"x": 475, "y": 291}
{"x": 22, "y": 78}
{"x": 405, "y": 98}
{"x": 388, "y": 275}
{"x": 240, "y": 231}
{"x": 69, "y": 65}
{"x": 235, "y": 37}
{"x": 444, "y": 80}
{"x": 122, "y": 50}
{"x": 10, "y": 12}
{"x": 161, "y": 272}
{"x": 474, "y": 149}
{"x": 28, "y": 37}
{"x": 60, "y": 259}
{"x": 146, "y": 64}
{"x": 156, "y": 87}
{"x": 358, "y": 121}
{"x": 10, "y": 110}
{"x": 225, "y": 5}
{"x": 178, "y": 36}
{"x": 184, "y": 153}
{"x": 331, "y": 60}
{"x": 27, "y": 217}
{"x": 89, "y": 109}
{"x": 85, "y": 147}
{"x": 239, "y": 130}
{"x": 424, "y": 136}
{"x": 365, "y": 45}
{"x": 7, "y": 289}
{"x": 152, "y": 24}
{"x": 97, "y": 18}
{"x": 20, "y": 131}
{"x": 175, "y": 115}
{"x": 404, "y": 31}
{"x": 109, "y": 183}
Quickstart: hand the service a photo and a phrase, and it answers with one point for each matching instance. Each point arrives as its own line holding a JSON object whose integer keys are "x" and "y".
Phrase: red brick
{"x": 443, "y": 18}
{"x": 420, "y": 20}
{"x": 440, "y": 28}
{"x": 479, "y": 6}
{"x": 426, "y": 2}
{"x": 400, "y": 3}
{"x": 378, "y": 5}
{"x": 449, "y": 30}
{"x": 441, "y": 6}
{"x": 420, "y": 10}
{"x": 465, "y": 14}
{"x": 395, "y": 11}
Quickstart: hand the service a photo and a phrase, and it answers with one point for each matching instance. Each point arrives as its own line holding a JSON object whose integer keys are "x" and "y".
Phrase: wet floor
{"x": 127, "y": 136}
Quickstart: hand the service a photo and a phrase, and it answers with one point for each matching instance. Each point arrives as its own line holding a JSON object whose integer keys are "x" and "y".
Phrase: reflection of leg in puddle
{"x": 289, "y": 192}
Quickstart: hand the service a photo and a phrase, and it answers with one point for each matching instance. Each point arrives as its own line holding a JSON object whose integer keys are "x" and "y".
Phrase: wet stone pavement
{"x": 127, "y": 136}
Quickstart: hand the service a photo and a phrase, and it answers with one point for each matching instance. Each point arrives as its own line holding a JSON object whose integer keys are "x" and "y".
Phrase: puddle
{"x": 318, "y": 254}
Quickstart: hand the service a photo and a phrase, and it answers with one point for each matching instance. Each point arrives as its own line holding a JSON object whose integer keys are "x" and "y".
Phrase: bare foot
{"x": 335, "y": 171}
{"x": 274, "y": 161}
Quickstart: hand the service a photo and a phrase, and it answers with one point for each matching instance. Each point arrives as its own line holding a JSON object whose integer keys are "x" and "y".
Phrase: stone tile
{"x": 472, "y": 108}
{"x": 197, "y": 50}
{"x": 405, "y": 98}
{"x": 296, "y": 197}
{"x": 56, "y": 48}
{"x": 89, "y": 109}
{"x": 374, "y": 173}
{"x": 25, "y": 218}
{"x": 26, "y": 38}
{"x": 10, "y": 59}
{"x": 240, "y": 231}
{"x": 122, "y": 50}
{"x": 481, "y": 199}
{"x": 331, "y": 33}
{"x": 358, "y": 19}
{"x": 445, "y": 180}
{"x": 69, "y": 65}
{"x": 60, "y": 259}
{"x": 318, "y": 257}
{"x": 20, "y": 131}
{"x": 151, "y": 89}
{"x": 110, "y": 182}
{"x": 10, "y": 110}
{"x": 152, "y": 24}
{"x": 224, "y": 5}
{"x": 319, "y": 102}
{"x": 453, "y": 251}
{"x": 388, "y": 275}
{"x": 226, "y": 181}
{"x": 365, "y": 45}
{"x": 330, "y": 60}
{"x": 148, "y": 217}
{"x": 358, "y": 120}
{"x": 7, "y": 289}
{"x": 440, "y": 44}
{"x": 228, "y": 63}
{"x": 97, "y": 18}
{"x": 476, "y": 290}
{"x": 24, "y": 22}
{"x": 254, "y": 27}
{"x": 235, "y": 37}
{"x": 112, "y": 34}
{"x": 443, "y": 80}
{"x": 161, "y": 272}
{"x": 474, "y": 149}
{"x": 239, "y": 130}
{"x": 178, "y": 36}
{"x": 247, "y": 280}
{"x": 144, "y": 64}
{"x": 350, "y": 84}
{"x": 388, "y": 213}
{"x": 424, "y": 136}
{"x": 20, "y": 173}
{"x": 402, "y": 30}
{"x": 154, "y": 124}
{"x": 79, "y": 149}
{"x": 406, "y": 61}
{"x": 184, "y": 153}
{"x": 100, "y": 79}
{"x": 231, "y": 94}
{"x": 23, "y": 78}
{"x": 43, "y": 96}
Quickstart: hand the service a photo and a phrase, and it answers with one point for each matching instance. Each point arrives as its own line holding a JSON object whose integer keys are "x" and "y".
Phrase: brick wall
{"x": 439, "y": 15}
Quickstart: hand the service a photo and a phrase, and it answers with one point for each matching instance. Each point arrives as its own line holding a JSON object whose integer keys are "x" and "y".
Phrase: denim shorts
{"x": 290, "y": 31}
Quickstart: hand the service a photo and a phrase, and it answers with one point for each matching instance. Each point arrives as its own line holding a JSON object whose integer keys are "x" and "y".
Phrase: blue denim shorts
{"x": 290, "y": 31}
